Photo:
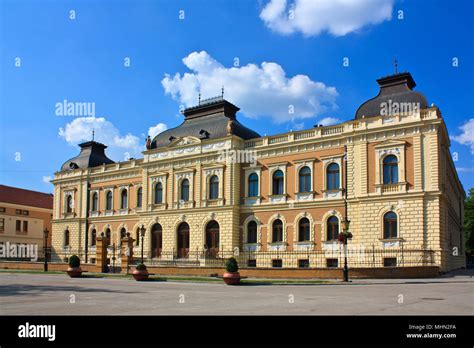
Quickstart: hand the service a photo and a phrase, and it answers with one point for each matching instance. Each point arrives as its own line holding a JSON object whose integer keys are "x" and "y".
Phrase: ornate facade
{"x": 211, "y": 186}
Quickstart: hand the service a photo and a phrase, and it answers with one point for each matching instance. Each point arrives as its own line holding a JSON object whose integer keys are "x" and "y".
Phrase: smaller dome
{"x": 395, "y": 89}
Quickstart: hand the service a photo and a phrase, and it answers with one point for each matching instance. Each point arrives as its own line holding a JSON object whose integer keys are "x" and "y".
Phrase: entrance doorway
{"x": 156, "y": 240}
{"x": 183, "y": 240}
{"x": 212, "y": 238}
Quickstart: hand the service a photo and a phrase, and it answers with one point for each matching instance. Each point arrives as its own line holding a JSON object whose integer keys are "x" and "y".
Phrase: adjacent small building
{"x": 24, "y": 214}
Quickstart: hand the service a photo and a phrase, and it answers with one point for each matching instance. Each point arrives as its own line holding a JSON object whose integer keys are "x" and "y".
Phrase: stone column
{"x": 127, "y": 252}
{"x": 101, "y": 253}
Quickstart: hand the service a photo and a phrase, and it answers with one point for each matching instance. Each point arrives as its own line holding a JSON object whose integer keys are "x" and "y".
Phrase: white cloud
{"x": 329, "y": 121}
{"x": 155, "y": 130}
{"x": 259, "y": 91}
{"x": 311, "y": 17}
{"x": 120, "y": 147}
{"x": 467, "y": 135}
{"x": 47, "y": 179}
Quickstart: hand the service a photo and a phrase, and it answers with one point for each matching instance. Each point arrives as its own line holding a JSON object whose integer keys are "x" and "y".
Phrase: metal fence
{"x": 330, "y": 258}
{"x": 334, "y": 258}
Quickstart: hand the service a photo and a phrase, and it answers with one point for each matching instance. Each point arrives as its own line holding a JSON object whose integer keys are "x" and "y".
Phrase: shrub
{"x": 74, "y": 261}
{"x": 140, "y": 267}
{"x": 231, "y": 265}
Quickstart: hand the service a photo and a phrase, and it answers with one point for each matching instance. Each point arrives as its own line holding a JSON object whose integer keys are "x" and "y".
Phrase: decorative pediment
{"x": 183, "y": 141}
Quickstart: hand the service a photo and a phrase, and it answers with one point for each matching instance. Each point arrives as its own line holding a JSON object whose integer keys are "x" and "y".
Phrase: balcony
{"x": 387, "y": 189}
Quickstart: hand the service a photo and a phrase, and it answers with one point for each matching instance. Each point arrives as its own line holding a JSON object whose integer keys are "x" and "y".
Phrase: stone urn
{"x": 74, "y": 272}
{"x": 231, "y": 278}
{"x": 140, "y": 273}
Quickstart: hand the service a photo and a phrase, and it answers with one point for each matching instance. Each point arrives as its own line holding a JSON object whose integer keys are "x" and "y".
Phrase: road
{"x": 56, "y": 294}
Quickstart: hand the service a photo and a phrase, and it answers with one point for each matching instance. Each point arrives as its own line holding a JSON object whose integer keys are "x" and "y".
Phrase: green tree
{"x": 469, "y": 222}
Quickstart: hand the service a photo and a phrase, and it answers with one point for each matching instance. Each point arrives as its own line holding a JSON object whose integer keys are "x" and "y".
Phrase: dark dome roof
{"x": 397, "y": 88}
{"x": 92, "y": 154}
{"x": 208, "y": 120}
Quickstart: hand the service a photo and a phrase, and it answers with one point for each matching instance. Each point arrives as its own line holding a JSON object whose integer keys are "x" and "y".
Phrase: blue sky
{"x": 47, "y": 56}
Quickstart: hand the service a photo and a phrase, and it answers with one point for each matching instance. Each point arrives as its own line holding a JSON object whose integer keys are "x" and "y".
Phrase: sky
{"x": 287, "y": 64}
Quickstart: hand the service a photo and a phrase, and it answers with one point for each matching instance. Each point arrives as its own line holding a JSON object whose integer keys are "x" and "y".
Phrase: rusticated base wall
{"x": 271, "y": 273}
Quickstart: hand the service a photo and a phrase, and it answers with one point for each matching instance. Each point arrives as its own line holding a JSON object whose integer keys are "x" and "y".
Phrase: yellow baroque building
{"x": 211, "y": 188}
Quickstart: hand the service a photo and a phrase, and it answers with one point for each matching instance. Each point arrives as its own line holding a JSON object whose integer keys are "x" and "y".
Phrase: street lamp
{"x": 142, "y": 230}
{"x": 45, "y": 247}
{"x": 343, "y": 237}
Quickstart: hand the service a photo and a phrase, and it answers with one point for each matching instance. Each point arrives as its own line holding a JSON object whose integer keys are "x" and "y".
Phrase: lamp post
{"x": 343, "y": 237}
{"x": 45, "y": 234}
{"x": 142, "y": 232}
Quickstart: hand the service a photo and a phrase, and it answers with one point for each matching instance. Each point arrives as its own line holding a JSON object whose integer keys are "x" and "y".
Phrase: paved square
{"x": 38, "y": 294}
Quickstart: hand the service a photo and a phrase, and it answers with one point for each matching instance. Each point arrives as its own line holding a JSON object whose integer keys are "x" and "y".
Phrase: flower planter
{"x": 140, "y": 275}
{"x": 232, "y": 278}
{"x": 74, "y": 272}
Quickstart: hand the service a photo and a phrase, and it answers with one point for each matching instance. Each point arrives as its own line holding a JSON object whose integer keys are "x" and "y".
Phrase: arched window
{"x": 139, "y": 197}
{"x": 107, "y": 236}
{"x": 253, "y": 185}
{"x": 66, "y": 238}
{"x": 93, "y": 237}
{"x": 252, "y": 232}
{"x": 332, "y": 228}
{"x": 108, "y": 200}
{"x": 390, "y": 170}
{"x": 158, "y": 193}
{"x": 185, "y": 190}
{"x": 124, "y": 199}
{"x": 390, "y": 225}
{"x": 123, "y": 233}
{"x": 277, "y": 231}
{"x": 305, "y": 179}
{"x": 95, "y": 201}
{"x": 214, "y": 187}
{"x": 303, "y": 230}
{"x": 278, "y": 182}
{"x": 332, "y": 176}
{"x": 69, "y": 204}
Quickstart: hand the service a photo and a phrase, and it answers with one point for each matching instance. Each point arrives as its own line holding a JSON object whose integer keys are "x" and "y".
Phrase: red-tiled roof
{"x": 16, "y": 195}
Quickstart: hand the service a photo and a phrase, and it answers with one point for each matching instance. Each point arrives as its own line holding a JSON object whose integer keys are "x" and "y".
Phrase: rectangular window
{"x": 25, "y": 226}
{"x": 390, "y": 262}
{"x": 18, "y": 225}
{"x": 2, "y": 209}
{"x": 25, "y": 212}
{"x": 2, "y": 225}
{"x": 303, "y": 263}
{"x": 251, "y": 263}
{"x": 277, "y": 263}
{"x": 331, "y": 263}
{"x": 18, "y": 211}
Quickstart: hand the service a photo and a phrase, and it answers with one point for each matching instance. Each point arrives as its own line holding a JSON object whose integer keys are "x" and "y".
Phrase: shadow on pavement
{"x": 23, "y": 289}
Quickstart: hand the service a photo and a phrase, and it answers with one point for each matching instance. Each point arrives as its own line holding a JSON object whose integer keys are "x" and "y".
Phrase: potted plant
{"x": 231, "y": 276}
{"x": 140, "y": 272}
{"x": 74, "y": 270}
